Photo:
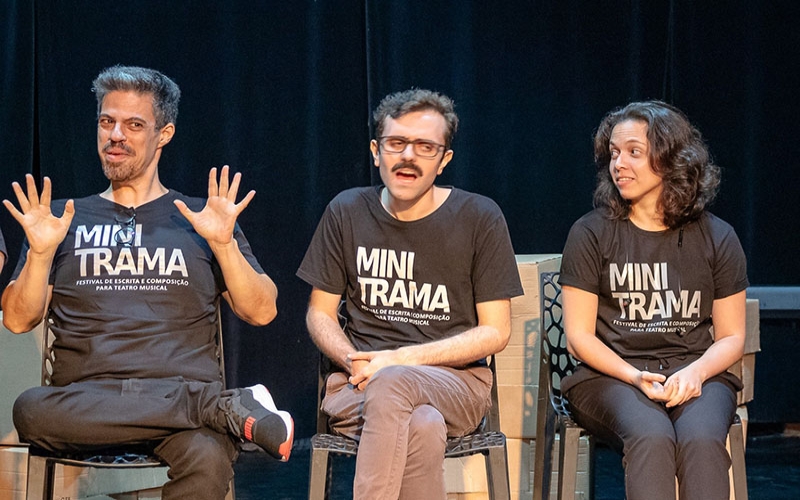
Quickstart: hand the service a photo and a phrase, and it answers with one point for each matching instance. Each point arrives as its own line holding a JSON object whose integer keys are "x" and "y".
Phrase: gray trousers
{"x": 659, "y": 443}
{"x": 402, "y": 420}
{"x": 181, "y": 418}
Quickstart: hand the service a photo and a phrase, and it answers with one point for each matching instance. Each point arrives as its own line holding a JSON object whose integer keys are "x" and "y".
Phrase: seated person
{"x": 645, "y": 277}
{"x": 132, "y": 278}
{"x": 427, "y": 273}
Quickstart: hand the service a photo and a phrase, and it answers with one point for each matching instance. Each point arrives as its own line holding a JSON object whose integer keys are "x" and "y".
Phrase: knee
{"x": 427, "y": 425}
{"x": 27, "y": 414}
{"x": 386, "y": 378}
{"x": 202, "y": 456}
{"x": 652, "y": 441}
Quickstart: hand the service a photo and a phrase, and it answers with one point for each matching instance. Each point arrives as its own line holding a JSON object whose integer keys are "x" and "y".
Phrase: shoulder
{"x": 92, "y": 202}
{"x": 194, "y": 203}
{"x": 473, "y": 204}
{"x": 714, "y": 223}
{"x": 353, "y": 197}
{"x": 715, "y": 229}
{"x": 593, "y": 222}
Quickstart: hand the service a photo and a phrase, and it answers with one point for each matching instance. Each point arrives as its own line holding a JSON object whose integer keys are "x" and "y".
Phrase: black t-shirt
{"x": 411, "y": 282}
{"x": 655, "y": 289}
{"x": 144, "y": 311}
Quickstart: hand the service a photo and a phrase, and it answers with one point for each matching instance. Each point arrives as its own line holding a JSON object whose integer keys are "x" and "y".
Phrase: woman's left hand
{"x": 684, "y": 385}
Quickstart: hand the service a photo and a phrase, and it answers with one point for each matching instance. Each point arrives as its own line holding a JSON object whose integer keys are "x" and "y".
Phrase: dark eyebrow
{"x": 128, "y": 120}
{"x": 627, "y": 141}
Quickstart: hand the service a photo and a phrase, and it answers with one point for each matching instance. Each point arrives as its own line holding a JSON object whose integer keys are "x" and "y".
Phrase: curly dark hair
{"x": 401, "y": 103}
{"x": 677, "y": 153}
{"x": 165, "y": 92}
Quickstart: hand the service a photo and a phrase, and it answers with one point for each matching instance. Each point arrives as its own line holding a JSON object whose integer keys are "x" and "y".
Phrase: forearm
{"x": 329, "y": 337}
{"x": 24, "y": 300}
{"x": 458, "y": 350}
{"x": 722, "y": 354}
{"x": 594, "y": 353}
{"x": 252, "y": 296}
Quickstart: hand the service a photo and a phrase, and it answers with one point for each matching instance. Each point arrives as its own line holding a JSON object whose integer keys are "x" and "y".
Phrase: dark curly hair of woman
{"x": 677, "y": 154}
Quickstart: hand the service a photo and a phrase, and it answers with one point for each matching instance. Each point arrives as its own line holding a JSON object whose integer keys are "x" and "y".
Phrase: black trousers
{"x": 659, "y": 444}
{"x": 181, "y": 416}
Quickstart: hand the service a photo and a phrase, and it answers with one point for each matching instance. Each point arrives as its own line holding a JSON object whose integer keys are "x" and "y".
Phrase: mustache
{"x": 119, "y": 145}
{"x": 409, "y": 165}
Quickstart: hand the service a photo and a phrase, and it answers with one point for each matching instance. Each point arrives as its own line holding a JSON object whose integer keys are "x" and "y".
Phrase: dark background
{"x": 283, "y": 90}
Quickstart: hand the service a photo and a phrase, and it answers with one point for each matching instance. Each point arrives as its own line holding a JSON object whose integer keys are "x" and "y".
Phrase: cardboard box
{"x": 745, "y": 369}
{"x": 752, "y": 340}
{"x": 518, "y": 363}
{"x": 13, "y": 468}
{"x": 465, "y": 478}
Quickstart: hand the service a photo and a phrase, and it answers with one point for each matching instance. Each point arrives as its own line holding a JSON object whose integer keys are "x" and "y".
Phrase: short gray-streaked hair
{"x": 165, "y": 92}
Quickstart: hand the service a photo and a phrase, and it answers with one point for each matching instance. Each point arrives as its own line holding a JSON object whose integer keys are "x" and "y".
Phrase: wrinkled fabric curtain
{"x": 283, "y": 92}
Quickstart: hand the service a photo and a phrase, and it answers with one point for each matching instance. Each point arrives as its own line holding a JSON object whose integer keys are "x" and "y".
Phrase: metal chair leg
{"x": 318, "y": 481}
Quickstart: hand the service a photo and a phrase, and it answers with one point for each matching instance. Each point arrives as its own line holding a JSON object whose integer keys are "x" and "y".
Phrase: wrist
{"x": 228, "y": 247}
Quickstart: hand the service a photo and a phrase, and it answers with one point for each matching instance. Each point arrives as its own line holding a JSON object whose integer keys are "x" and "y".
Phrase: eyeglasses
{"x": 393, "y": 144}
{"x": 127, "y": 228}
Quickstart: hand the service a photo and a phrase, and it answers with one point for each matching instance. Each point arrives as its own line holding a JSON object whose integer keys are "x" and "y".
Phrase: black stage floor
{"x": 773, "y": 470}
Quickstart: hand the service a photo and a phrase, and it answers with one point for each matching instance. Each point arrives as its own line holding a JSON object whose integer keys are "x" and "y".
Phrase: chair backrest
{"x": 556, "y": 361}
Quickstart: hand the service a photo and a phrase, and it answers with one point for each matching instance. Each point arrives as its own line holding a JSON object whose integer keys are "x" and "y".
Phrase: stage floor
{"x": 773, "y": 471}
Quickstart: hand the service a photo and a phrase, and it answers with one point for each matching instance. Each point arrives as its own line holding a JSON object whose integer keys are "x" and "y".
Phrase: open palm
{"x": 215, "y": 222}
{"x": 43, "y": 230}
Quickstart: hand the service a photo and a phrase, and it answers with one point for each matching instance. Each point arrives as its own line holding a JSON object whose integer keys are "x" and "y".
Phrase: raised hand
{"x": 43, "y": 230}
{"x": 216, "y": 221}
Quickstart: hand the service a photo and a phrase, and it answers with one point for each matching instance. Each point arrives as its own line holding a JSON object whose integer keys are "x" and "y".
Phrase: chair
{"x": 487, "y": 440}
{"x": 554, "y": 417}
{"x": 42, "y": 463}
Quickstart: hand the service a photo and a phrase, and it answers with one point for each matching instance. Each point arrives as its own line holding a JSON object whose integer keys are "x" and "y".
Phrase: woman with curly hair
{"x": 654, "y": 307}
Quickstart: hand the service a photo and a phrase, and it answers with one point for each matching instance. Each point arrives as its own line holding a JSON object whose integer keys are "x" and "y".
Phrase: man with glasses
{"x": 426, "y": 273}
{"x": 132, "y": 278}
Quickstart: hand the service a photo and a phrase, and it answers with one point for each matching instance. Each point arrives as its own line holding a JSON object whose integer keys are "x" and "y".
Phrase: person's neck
{"x": 648, "y": 219}
{"x": 133, "y": 194}
{"x": 412, "y": 210}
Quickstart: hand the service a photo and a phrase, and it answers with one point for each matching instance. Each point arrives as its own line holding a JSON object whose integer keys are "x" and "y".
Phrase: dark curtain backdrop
{"x": 283, "y": 92}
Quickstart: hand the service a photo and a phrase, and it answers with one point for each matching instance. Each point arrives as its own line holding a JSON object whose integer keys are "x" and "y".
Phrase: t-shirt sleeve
{"x": 580, "y": 260}
{"x": 730, "y": 265}
{"x": 323, "y": 264}
{"x": 495, "y": 273}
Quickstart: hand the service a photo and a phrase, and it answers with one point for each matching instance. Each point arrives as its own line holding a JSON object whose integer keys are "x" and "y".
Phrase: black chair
{"x": 42, "y": 463}
{"x": 553, "y": 412}
{"x": 487, "y": 440}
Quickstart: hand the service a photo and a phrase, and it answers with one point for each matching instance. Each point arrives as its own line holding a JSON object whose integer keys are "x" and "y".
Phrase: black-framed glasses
{"x": 126, "y": 233}
{"x": 394, "y": 144}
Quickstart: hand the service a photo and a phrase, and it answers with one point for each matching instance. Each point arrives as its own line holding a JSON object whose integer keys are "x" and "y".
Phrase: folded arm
{"x": 488, "y": 337}
{"x": 728, "y": 318}
{"x": 580, "y": 321}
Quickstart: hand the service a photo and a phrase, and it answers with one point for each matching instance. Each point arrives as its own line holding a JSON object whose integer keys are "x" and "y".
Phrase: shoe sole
{"x": 262, "y": 395}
